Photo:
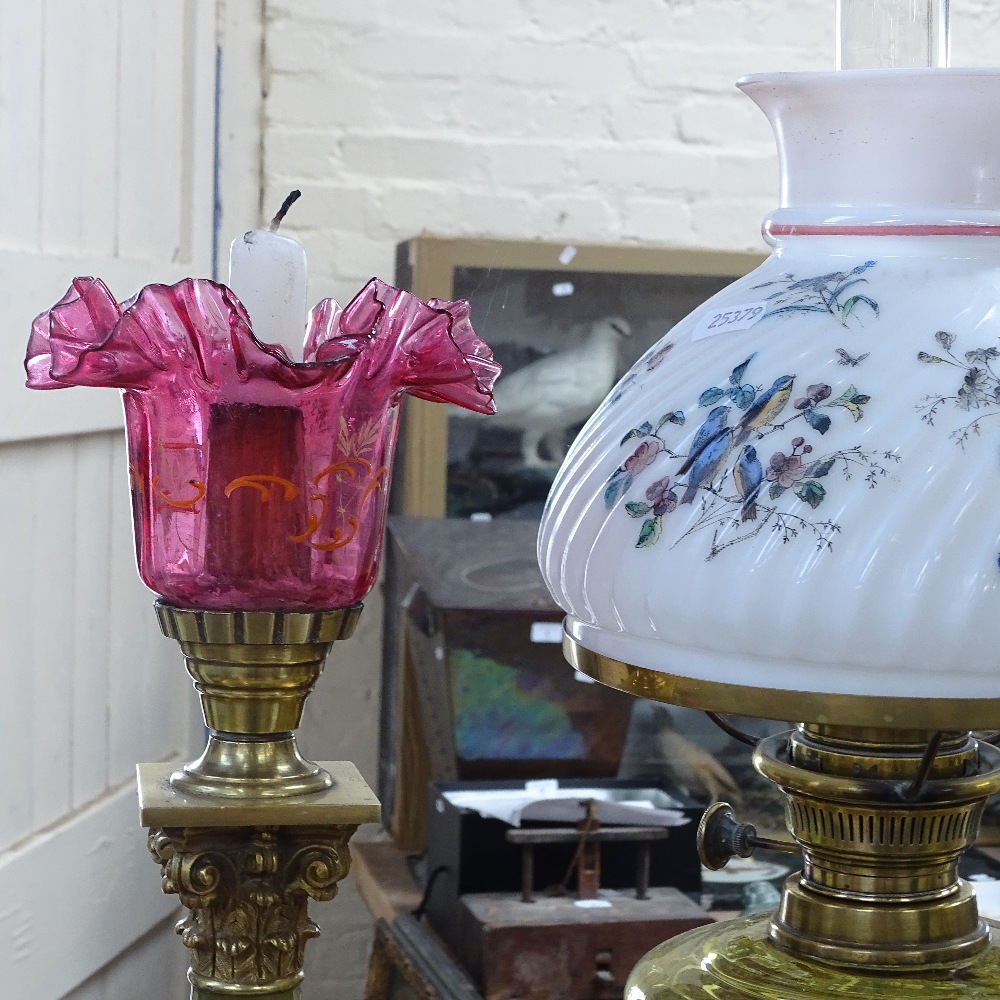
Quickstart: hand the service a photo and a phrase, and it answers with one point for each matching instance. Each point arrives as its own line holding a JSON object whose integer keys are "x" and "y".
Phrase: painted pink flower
{"x": 663, "y": 499}
{"x": 258, "y": 483}
{"x": 643, "y": 456}
{"x": 786, "y": 470}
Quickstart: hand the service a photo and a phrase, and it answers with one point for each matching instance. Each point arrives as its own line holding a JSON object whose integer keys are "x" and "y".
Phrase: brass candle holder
{"x": 254, "y": 671}
{"x": 251, "y": 831}
{"x": 257, "y": 483}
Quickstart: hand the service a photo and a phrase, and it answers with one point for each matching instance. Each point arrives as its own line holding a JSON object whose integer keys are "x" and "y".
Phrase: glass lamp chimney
{"x": 889, "y": 34}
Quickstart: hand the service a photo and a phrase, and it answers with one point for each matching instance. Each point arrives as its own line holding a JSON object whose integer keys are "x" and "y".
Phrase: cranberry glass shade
{"x": 257, "y": 483}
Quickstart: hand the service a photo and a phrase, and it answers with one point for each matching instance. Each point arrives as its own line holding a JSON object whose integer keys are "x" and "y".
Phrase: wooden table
{"x": 384, "y": 879}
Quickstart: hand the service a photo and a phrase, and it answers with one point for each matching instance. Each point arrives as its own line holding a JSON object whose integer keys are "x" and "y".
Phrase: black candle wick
{"x": 293, "y": 197}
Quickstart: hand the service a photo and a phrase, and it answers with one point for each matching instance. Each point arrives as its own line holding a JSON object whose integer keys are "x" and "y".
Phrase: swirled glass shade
{"x": 795, "y": 489}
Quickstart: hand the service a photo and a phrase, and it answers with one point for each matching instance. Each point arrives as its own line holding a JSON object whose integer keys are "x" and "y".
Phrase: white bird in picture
{"x": 558, "y": 391}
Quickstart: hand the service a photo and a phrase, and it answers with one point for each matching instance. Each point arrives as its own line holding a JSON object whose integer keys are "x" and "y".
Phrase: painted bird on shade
{"x": 708, "y": 463}
{"x": 712, "y": 428}
{"x": 749, "y": 476}
{"x": 765, "y": 408}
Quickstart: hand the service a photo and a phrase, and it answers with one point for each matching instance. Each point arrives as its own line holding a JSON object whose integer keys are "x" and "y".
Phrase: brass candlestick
{"x": 257, "y": 482}
{"x": 251, "y": 831}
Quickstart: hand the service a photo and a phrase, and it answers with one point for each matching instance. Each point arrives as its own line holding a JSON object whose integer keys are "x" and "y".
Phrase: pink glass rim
{"x": 259, "y": 483}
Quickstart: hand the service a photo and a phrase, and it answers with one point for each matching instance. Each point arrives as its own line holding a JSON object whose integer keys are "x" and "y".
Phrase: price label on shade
{"x": 728, "y": 319}
{"x": 546, "y": 631}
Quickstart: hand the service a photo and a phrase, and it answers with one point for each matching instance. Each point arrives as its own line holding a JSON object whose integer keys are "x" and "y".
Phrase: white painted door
{"x": 107, "y": 142}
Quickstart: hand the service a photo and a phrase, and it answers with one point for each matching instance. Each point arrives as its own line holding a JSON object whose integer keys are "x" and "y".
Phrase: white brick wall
{"x": 584, "y": 120}
{"x": 576, "y": 120}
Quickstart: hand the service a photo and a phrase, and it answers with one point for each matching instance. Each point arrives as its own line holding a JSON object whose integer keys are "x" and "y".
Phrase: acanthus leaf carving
{"x": 247, "y": 890}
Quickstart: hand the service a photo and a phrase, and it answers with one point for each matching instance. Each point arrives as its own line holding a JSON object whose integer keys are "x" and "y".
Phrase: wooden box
{"x": 552, "y": 949}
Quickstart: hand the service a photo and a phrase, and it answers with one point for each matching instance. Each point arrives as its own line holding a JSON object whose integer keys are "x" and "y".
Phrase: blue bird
{"x": 710, "y": 459}
{"x": 765, "y": 408}
{"x": 749, "y": 476}
{"x": 713, "y": 426}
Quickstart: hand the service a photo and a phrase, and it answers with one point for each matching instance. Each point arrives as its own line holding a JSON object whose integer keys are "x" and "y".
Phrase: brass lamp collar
{"x": 254, "y": 671}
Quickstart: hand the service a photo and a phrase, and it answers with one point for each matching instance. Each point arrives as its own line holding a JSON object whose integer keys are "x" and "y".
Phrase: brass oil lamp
{"x": 786, "y": 510}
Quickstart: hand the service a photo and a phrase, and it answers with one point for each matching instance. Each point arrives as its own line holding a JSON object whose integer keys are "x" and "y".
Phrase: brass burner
{"x": 882, "y": 810}
{"x": 880, "y": 886}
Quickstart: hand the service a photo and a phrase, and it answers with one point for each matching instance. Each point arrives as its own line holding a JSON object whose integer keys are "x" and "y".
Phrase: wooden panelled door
{"x": 107, "y": 168}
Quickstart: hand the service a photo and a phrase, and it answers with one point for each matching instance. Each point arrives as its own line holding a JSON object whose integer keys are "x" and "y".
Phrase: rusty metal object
{"x": 528, "y": 840}
{"x": 587, "y": 860}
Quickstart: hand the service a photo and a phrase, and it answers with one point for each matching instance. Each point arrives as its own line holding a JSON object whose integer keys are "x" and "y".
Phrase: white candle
{"x": 267, "y": 272}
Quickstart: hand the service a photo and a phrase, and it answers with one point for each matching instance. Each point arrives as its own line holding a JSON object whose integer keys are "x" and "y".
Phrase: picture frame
{"x": 474, "y": 684}
{"x": 530, "y": 299}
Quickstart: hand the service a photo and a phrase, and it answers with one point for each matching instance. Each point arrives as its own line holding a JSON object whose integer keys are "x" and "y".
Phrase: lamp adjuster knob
{"x": 722, "y": 837}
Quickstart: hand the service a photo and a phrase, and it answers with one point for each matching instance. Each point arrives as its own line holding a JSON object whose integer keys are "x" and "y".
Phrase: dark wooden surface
{"x": 384, "y": 879}
{"x": 405, "y": 948}
{"x": 407, "y": 960}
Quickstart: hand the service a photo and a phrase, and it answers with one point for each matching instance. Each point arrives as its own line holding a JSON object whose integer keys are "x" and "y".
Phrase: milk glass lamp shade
{"x": 258, "y": 483}
{"x": 797, "y": 488}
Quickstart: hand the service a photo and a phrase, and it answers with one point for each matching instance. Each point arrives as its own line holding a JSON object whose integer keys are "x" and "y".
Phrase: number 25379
{"x": 739, "y": 317}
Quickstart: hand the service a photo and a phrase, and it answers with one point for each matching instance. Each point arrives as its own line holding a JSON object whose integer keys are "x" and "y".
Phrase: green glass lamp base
{"x": 736, "y": 961}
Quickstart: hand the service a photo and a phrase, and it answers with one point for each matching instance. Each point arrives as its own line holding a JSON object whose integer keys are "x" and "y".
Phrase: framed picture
{"x": 566, "y": 322}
